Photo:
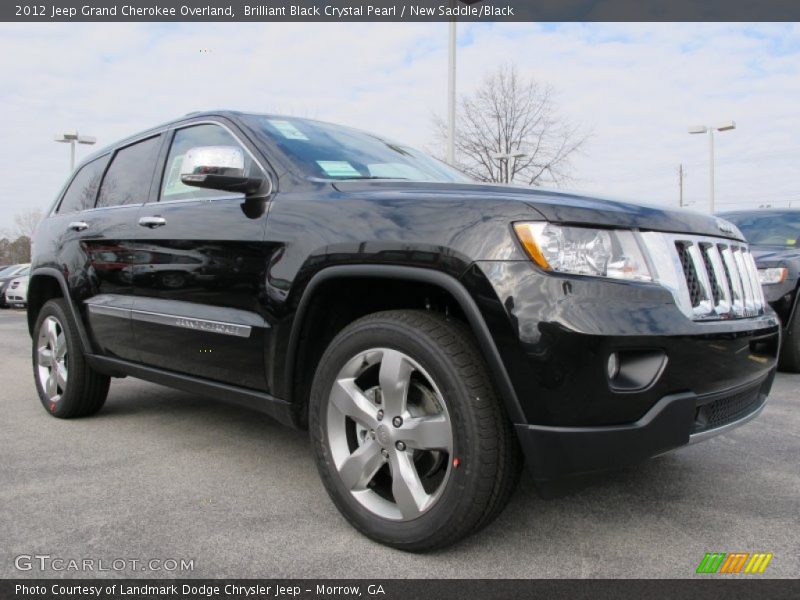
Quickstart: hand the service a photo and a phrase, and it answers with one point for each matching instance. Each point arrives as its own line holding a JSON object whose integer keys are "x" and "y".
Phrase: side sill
{"x": 280, "y": 410}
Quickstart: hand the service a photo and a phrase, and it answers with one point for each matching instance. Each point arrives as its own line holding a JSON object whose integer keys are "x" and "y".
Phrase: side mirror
{"x": 218, "y": 168}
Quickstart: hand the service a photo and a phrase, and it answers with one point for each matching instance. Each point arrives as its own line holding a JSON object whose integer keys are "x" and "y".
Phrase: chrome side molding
{"x": 171, "y": 320}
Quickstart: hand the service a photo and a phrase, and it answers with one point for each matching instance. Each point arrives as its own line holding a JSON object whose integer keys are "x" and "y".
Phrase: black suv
{"x": 429, "y": 331}
{"x": 774, "y": 235}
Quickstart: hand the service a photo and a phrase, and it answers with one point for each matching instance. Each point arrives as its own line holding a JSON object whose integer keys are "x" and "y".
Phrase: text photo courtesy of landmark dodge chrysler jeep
{"x": 432, "y": 333}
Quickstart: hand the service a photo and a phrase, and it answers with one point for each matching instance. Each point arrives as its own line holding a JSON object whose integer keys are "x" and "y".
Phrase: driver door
{"x": 197, "y": 266}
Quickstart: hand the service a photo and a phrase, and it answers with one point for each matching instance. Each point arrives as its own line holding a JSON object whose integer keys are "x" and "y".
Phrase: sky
{"x": 635, "y": 87}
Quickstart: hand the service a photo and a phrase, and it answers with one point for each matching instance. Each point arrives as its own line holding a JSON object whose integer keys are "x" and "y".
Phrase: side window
{"x": 128, "y": 179}
{"x": 81, "y": 192}
{"x": 191, "y": 137}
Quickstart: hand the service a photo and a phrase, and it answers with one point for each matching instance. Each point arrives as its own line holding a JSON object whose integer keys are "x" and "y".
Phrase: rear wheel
{"x": 790, "y": 351}
{"x": 68, "y": 387}
{"x": 410, "y": 439}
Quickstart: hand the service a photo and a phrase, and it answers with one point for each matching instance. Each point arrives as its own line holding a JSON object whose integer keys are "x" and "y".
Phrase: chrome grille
{"x": 711, "y": 278}
{"x": 718, "y": 290}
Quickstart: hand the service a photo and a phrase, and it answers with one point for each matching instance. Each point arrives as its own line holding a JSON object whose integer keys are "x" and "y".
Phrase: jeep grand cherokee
{"x": 429, "y": 331}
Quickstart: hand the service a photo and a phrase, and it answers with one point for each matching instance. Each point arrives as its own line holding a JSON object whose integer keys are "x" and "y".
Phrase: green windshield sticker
{"x": 338, "y": 168}
{"x": 287, "y": 130}
{"x": 173, "y": 184}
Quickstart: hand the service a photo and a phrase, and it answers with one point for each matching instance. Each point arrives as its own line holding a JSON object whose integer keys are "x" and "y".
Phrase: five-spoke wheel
{"x": 67, "y": 384}
{"x": 51, "y": 358}
{"x": 390, "y": 434}
{"x": 410, "y": 439}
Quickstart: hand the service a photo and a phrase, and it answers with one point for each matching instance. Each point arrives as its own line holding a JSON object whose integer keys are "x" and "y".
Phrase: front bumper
{"x": 679, "y": 380}
{"x": 676, "y": 420}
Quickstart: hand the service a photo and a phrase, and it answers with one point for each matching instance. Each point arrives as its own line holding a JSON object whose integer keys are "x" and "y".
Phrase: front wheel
{"x": 410, "y": 439}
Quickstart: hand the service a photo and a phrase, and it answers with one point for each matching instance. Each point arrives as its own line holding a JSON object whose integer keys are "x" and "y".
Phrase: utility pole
{"x": 680, "y": 185}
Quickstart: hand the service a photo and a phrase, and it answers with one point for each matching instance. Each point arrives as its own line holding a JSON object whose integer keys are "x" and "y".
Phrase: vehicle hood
{"x": 770, "y": 255}
{"x": 557, "y": 206}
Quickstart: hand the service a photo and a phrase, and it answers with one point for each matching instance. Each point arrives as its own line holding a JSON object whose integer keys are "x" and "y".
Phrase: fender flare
{"x": 450, "y": 284}
{"x": 76, "y": 317}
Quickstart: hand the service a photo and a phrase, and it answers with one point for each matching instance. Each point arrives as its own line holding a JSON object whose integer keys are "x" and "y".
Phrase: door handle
{"x": 78, "y": 225}
{"x": 152, "y": 222}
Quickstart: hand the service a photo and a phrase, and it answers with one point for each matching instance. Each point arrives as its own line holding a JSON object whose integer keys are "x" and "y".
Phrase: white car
{"x": 17, "y": 292}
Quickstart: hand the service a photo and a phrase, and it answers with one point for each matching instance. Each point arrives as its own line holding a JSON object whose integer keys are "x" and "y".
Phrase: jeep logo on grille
{"x": 725, "y": 227}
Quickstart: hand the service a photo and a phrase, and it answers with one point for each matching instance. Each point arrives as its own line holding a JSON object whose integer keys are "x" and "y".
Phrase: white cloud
{"x": 636, "y": 86}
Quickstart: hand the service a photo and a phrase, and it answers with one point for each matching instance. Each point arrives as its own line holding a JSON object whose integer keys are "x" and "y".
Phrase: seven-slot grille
{"x": 721, "y": 277}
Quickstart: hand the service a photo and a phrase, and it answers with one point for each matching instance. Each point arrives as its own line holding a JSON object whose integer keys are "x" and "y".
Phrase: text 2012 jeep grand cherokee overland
{"x": 429, "y": 331}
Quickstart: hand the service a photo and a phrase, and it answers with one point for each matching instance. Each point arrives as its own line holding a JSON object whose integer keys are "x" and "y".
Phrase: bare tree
{"x": 15, "y": 244}
{"x": 508, "y": 115}
{"x": 25, "y": 222}
{"x": 20, "y": 250}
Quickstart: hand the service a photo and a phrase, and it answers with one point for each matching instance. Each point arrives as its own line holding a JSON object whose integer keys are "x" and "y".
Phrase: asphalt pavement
{"x": 161, "y": 474}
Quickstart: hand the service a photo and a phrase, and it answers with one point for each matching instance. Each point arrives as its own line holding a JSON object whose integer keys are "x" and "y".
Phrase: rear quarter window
{"x": 82, "y": 191}
{"x": 128, "y": 179}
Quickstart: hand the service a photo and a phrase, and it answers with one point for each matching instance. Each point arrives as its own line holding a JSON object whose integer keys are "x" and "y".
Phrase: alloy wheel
{"x": 51, "y": 359}
{"x": 390, "y": 434}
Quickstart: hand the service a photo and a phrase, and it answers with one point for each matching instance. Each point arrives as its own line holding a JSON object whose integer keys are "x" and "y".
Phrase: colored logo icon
{"x": 734, "y": 562}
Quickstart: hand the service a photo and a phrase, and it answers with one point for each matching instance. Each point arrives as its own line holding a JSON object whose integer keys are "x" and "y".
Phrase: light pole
{"x": 72, "y": 138}
{"x": 727, "y": 126}
{"x": 510, "y": 156}
{"x": 451, "y": 90}
{"x": 451, "y": 83}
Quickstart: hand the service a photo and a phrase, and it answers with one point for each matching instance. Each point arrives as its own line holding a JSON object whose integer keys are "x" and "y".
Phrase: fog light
{"x": 635, "y": 370}
{"x": 613, "y": 365}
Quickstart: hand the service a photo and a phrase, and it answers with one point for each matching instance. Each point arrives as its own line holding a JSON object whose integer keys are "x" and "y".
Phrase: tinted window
{"x": 335, "y": 152}
{"x": 81, "y": 192}
{"x": 128, "y": 179}
{"x": 191, "y": 137}
{"x": 769, "y": 229}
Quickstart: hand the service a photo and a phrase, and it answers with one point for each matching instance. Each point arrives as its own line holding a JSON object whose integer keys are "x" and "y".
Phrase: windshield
{"x": 330, "y": 151}
{"x": 10, "y": 270}
{"x": 769, "y": 229}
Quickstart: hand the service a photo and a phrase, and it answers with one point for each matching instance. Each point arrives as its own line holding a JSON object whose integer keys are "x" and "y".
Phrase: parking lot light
{"x": 510, "y": 160}
{"x": 695, "y": 129}
{"x": 72, "y": 138}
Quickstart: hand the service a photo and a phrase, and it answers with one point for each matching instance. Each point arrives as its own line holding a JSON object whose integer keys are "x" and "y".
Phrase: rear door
{"x": 197, "y": 266}
{"x": 106, "y": 241}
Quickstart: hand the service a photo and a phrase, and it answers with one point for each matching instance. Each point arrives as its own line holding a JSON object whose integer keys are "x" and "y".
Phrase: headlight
{"x": 772, "y": 275}
{"x": 583, "y": 251}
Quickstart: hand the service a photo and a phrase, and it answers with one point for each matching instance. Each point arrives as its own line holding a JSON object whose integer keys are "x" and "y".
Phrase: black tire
{"x": 483, "y": 440}
{"x": 86, "y": 389}
{"x": 790, "y": 351}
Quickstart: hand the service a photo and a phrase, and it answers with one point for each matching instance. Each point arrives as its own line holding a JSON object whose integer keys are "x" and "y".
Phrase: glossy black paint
{"x": 252, "y": 260}
{"x": 556, "y": 334}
